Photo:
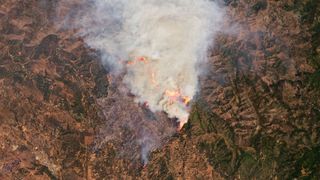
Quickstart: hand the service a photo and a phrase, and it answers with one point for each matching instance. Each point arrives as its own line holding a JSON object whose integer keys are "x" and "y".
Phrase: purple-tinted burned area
{"x": 256, "y": 117}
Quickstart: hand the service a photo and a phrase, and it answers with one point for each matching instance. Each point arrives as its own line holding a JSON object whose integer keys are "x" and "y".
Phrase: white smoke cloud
{"x": 157, "y": 44}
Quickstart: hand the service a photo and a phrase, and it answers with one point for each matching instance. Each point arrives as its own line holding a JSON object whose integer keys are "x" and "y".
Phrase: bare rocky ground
{"x": 257, "y": 116}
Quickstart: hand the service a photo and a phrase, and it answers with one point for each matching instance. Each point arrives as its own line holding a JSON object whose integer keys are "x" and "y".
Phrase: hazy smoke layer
{"x": 159, "y": 44}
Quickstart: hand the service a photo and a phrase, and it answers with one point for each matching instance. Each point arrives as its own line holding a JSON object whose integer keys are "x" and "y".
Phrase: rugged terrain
{"x": 257, "y": 115}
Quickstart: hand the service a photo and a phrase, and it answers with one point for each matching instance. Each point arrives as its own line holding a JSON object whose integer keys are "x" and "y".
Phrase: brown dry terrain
{"x": 257, "y": 116}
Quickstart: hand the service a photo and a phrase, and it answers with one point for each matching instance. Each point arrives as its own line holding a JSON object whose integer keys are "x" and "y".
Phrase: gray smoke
{"x": 156, "y": 49}
{"x": 158, "y": 44}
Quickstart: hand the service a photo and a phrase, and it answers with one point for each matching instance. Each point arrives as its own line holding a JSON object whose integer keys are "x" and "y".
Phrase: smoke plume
{"x": 159, "y": 46}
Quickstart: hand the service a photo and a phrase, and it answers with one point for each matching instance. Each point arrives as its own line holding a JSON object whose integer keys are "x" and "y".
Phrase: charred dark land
{"x": 257, "y": 116}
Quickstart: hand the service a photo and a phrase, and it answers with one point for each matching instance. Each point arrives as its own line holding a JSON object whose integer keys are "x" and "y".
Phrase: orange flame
{"x": 181, "y": 123}
{"x": 186, "y": 99}
{"x": 138, "y": 59}
{"x": 131, "y": 62}
{"x": 176, "y": 95}
{"x": 142, "y": 59}
{"x": 172, "y": 95}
